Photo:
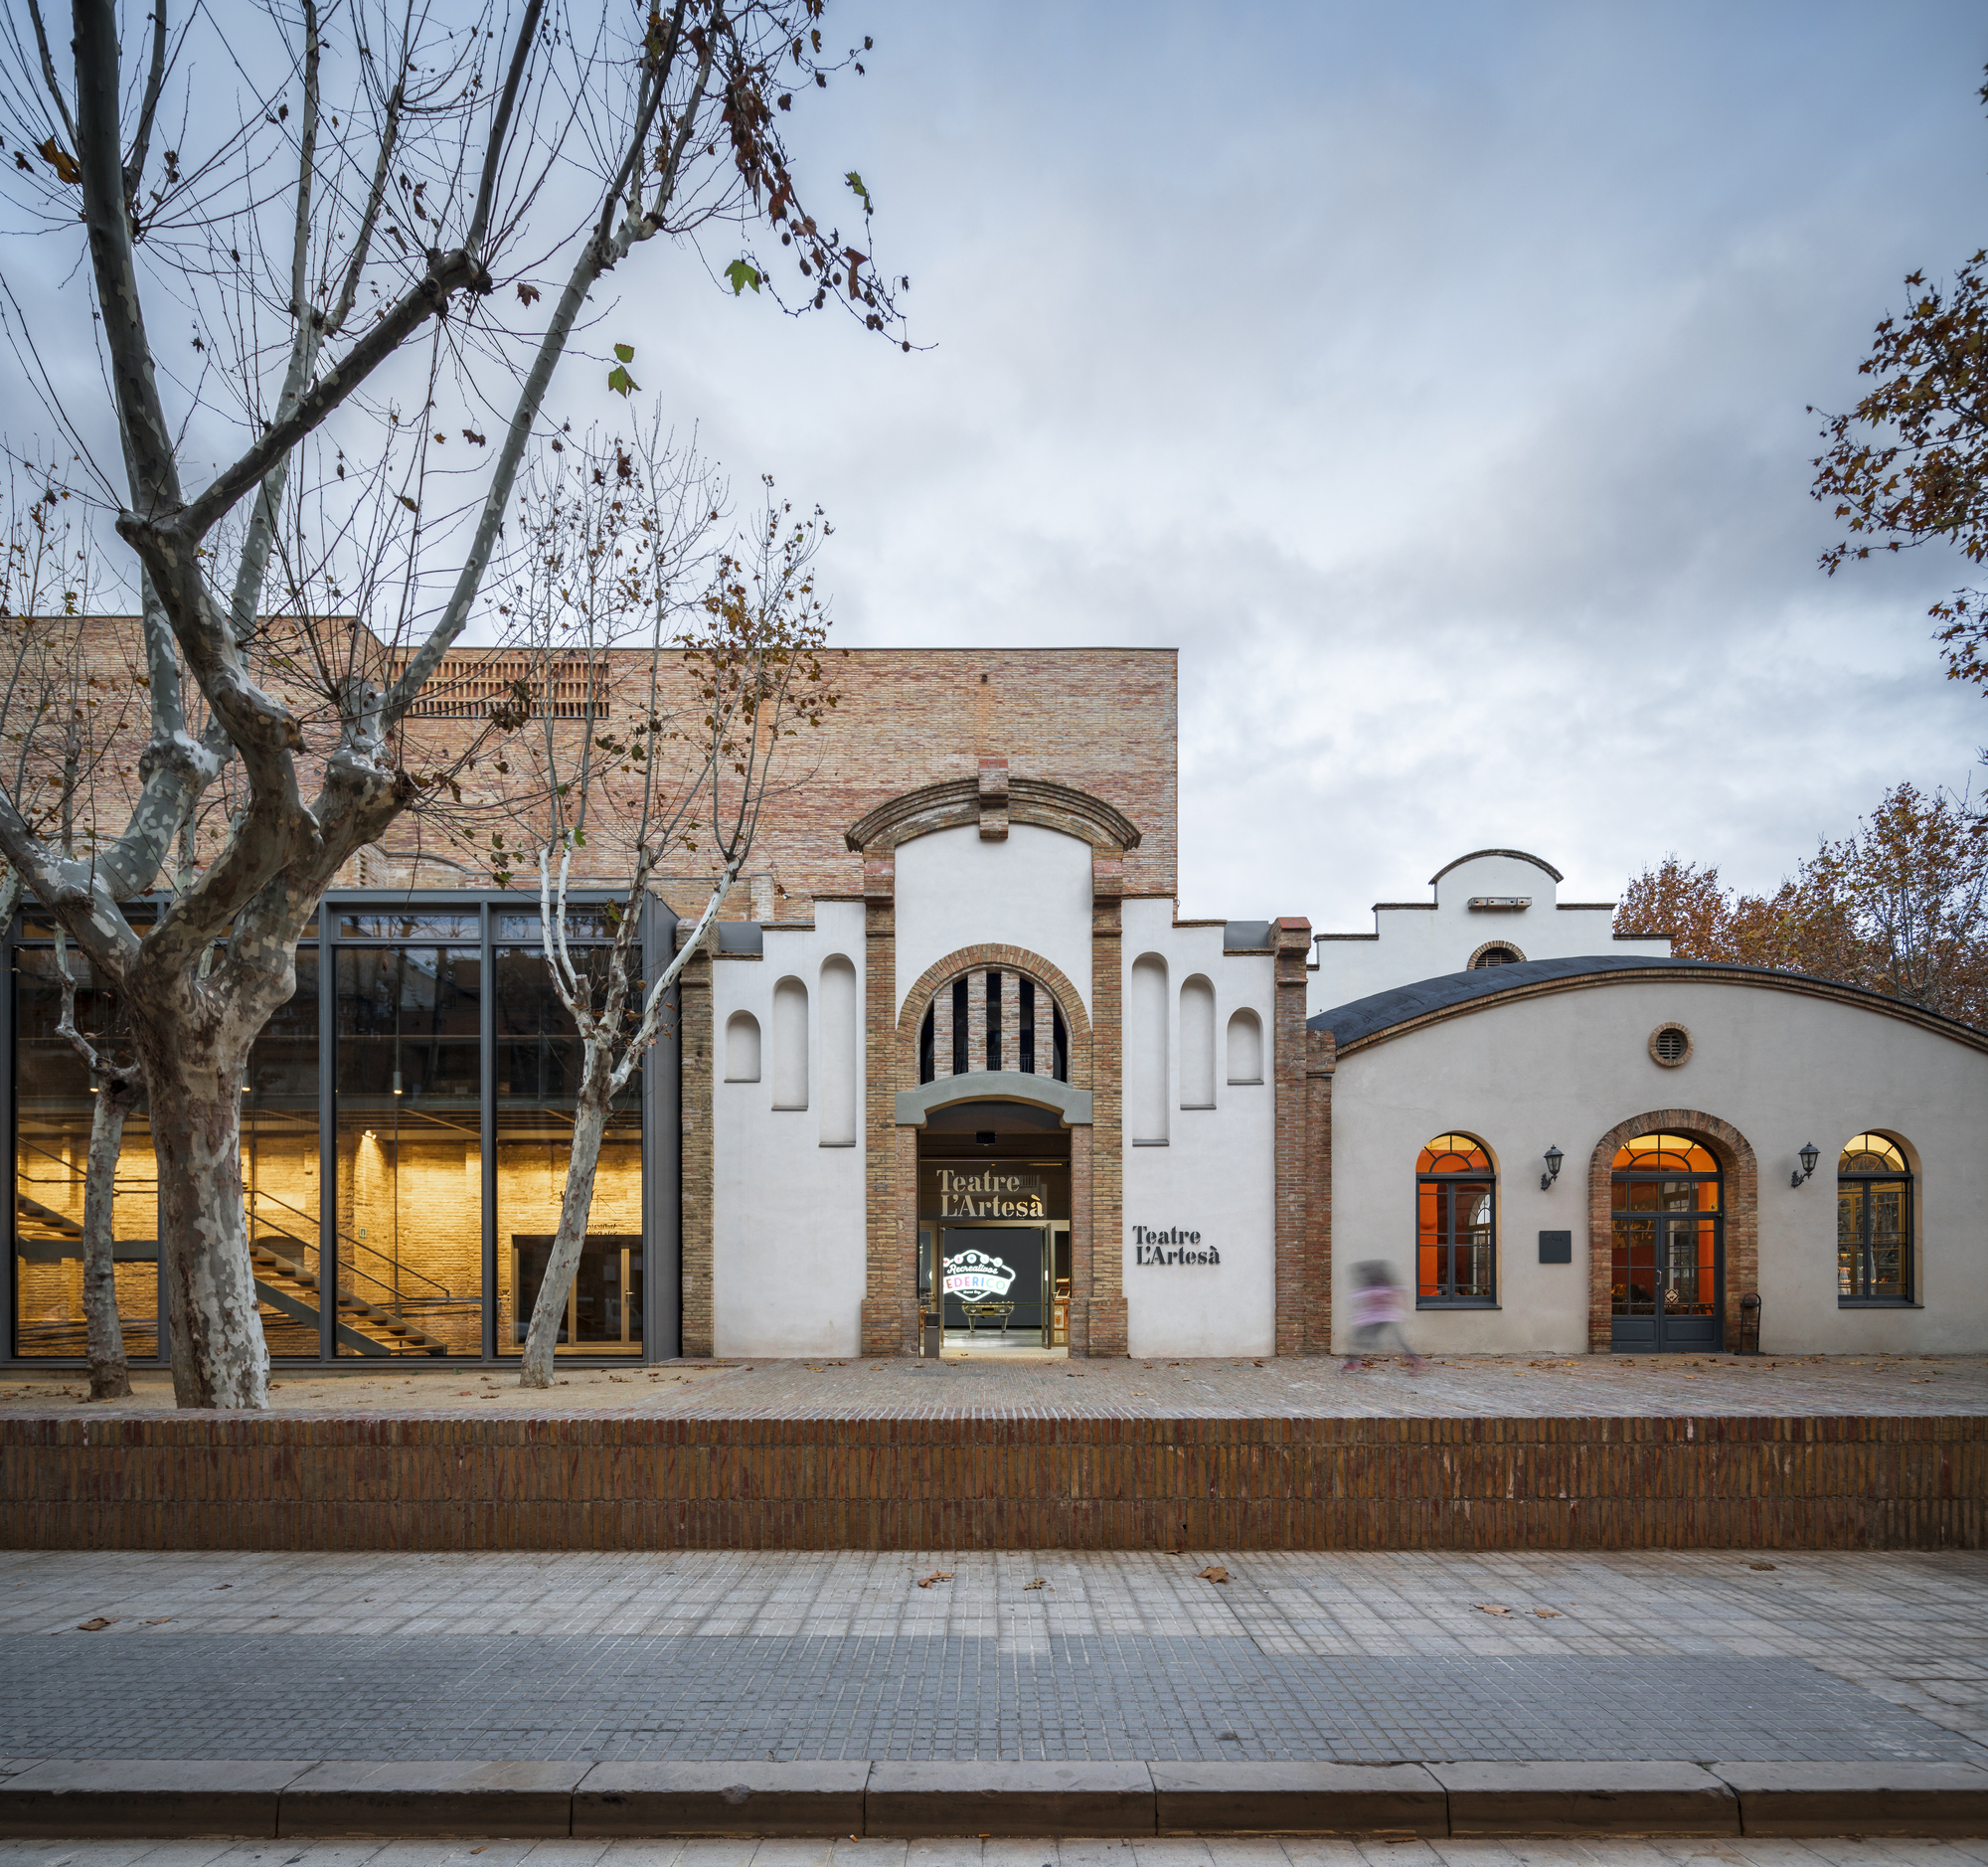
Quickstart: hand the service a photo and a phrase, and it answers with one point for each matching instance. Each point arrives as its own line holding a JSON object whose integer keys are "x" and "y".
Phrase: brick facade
{"x": 1319, "y": 1066}
{"x": 942, "y": 1481}
{"x": 1291, "y": 945}
{"x": 1741, "y": 1200}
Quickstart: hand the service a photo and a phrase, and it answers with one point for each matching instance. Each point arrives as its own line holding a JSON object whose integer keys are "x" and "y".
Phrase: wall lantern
{"x": 1809, "y": 1156}
{"x": 1553, "y": 1158}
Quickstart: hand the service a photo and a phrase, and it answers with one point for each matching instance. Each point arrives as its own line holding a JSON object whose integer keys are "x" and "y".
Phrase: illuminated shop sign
{"x": 1173, "y": 1246}
{"x": 975, "y": 1277}
{"x": 989, "y": 1193}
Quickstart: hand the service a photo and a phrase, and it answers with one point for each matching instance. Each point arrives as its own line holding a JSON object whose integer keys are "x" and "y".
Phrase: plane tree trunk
{"x": 589, "y": 1123}
{"x": 118, "y": 1093}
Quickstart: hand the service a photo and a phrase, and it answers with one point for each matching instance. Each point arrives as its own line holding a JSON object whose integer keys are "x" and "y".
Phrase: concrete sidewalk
{"x": 822, "y": 1695}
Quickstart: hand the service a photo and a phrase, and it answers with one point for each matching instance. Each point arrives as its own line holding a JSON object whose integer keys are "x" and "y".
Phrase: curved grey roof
{"x": 1368, "y": 1017}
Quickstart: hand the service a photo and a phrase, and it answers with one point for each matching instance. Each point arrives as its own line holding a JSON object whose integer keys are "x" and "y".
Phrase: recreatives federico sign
{"x": 1173, "y": 1246}
{"x": 991, "y": 1193}
{"x": 975, "y": 1277}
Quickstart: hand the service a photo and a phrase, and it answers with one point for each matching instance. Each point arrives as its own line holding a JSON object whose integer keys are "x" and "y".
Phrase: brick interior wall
{"x": 440, "y": 1482}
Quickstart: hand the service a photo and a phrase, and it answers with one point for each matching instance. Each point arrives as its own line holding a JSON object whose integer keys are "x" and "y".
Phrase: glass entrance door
{"x": 1668, "y": 1271}
{"x": 994, "y": 1285}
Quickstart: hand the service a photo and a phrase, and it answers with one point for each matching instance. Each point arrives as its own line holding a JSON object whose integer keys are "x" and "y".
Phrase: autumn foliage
{"x": 1899, "y": 906}
{"x": 1907, "y": 465}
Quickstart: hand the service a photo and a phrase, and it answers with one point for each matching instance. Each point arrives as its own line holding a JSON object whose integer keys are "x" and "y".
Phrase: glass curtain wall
{"x": 52, "y": 1116}
{"x": 409, "y": 1050}
{"x": 405, "y": 1140}
{"x": 538, "y": 1068}
{"x": 279, "y": 1168}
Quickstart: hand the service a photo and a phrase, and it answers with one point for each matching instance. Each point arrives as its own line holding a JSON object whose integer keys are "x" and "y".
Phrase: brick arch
{"x": 891, "y": 1284}
{"x": 1006, "y": 959}
{"x": 1742, "y": 1172}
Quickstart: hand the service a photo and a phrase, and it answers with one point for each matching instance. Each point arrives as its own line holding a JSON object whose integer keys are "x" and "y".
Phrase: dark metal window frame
{"x": 1635, "y": 1176}
{"x": 662, "y": 1090}
{"x": 1447, "y": 1300}
{"x": 1908, "y": 1298}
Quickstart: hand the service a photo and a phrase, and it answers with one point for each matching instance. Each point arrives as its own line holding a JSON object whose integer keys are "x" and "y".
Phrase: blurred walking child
{"x": 1380, "y": 1306}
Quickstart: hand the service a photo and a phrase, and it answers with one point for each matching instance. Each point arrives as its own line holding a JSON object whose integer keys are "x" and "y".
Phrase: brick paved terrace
{"x": 1456, "y": 1387}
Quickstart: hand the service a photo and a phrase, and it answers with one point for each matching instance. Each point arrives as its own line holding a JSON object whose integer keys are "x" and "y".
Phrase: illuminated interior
{"x": 1664, "y": 1276}
{"x": 1455, "y": 1209}
{"x": 1874, "y": 1222}
{"x": 404, "y": 1133}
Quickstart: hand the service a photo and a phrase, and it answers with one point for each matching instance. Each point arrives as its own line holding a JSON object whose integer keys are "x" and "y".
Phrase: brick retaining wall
{"x": 438, "y": 1483}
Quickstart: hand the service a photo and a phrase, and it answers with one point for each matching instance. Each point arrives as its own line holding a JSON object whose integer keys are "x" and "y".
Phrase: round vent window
{"x": 1670, "y": 1045}
{"x": 1494, "y": 953}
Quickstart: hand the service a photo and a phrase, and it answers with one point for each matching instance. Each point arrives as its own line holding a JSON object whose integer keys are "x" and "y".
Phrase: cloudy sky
{"x": 1435, "y": 378}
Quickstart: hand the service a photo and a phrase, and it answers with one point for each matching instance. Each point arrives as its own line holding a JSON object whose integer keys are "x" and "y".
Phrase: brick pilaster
{"x": 1292, "y": 943}
{"x": 1106, "y": 1321}
{"x": 888, "y": 1269}
{"x": 1081, "y": 1240}
{"x": 1320, "y": 1061}
{"x": 699, "y": 1172}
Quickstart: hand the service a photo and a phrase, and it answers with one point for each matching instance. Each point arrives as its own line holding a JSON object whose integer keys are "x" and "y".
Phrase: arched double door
{"x": 1667, "y": 1279}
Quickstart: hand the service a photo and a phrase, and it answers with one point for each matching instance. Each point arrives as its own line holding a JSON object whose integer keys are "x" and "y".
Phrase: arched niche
{"x": 1246, "y": 1047}
{"x": 836, "y": 1071}
{"x": 741, "y": 1048}
{"x": 1196, "y": 1043}
{"x": 790, "y": 1045}
{"x": 1146, "y": 1011}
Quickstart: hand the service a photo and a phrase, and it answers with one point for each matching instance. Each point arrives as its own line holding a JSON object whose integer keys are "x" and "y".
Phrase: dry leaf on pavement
{"x": 1759, "y": 1564}
{"x": 93, "y": 1626}
{"x": 1215, "y": 1574}
{"x": 1490, "y": 1607}
{"x": 1548, "y": 1613}
{"x": 1038, "y": 1582}
{"x": 937, "y": 1574}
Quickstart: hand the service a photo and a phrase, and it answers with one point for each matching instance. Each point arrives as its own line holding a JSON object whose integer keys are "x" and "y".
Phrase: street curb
{"x": 110, "y": 1798}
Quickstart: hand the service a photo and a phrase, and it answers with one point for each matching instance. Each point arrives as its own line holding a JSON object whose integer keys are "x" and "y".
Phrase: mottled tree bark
{"x": 590, "y": 1123}
{"x": 118, "y": 1095}
{"x": 205, "y": 1277}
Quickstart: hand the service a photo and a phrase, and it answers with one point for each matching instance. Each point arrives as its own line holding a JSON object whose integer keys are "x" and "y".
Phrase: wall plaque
{"x": 1556, "y": 1248}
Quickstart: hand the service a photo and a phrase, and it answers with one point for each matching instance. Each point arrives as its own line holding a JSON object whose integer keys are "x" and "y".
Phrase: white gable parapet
{"x": 1490, "y": 908}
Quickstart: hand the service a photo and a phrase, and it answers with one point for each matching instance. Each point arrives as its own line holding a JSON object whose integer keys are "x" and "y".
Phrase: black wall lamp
{"x": 1553, "y": 1158}
{"x": 1809, "y": 1156}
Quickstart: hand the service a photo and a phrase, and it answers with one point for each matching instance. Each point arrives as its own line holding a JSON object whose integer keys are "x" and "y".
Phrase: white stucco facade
{"x": 1212, "y": 1175}
{"x": 1245, "y": 1180}
{"x": 787, "y": 1261}
{"x": 1496, "y": 897}
{"x": 1031, "y": 890}
{"x": 1783, "y": 1068}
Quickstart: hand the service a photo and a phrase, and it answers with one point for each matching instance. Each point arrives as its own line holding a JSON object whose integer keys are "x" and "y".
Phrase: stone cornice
{"x": 959, "y": 802}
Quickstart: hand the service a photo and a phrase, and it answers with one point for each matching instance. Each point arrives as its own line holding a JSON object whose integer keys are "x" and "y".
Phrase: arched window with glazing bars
{"x": 1874, "y": 1222}
{"x": 1456, "y": 1216}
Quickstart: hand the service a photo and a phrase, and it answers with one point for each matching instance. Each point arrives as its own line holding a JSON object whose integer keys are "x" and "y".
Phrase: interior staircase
{"x": 286, "y": 1284}
{"x": 283, "y": 1279}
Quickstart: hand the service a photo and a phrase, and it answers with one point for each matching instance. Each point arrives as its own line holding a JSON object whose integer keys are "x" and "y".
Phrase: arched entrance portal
{"x": 1668, "y": 1250}
{"x": 994, "y": 1227}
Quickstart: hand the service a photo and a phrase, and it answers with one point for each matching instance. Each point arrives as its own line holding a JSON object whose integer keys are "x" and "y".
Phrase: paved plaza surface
{"x": 1178, "y": 1851}
{"x": 727, "y": 1656}
{"x": 993, "y": 1387}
